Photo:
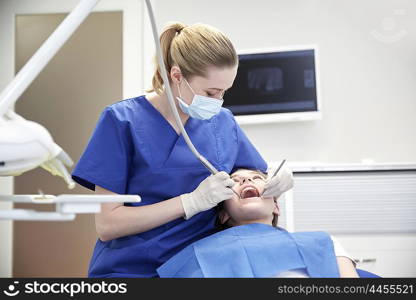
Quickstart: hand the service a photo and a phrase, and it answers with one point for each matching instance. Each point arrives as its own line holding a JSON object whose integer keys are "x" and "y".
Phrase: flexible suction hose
{"x": 169, "y": 93}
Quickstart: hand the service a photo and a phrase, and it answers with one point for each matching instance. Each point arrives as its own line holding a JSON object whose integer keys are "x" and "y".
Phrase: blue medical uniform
{"x": 134, "y": 150}
{"x": 255, "y": 250}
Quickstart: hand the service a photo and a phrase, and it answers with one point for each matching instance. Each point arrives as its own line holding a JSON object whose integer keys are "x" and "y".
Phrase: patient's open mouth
{"x": 249, "y": 192}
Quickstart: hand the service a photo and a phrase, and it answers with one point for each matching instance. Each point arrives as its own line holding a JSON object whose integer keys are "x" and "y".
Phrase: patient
{"x": 251, "y": 244}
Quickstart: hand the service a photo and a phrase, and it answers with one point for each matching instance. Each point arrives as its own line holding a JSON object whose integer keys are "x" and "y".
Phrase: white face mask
{"x": 202, "y": 107}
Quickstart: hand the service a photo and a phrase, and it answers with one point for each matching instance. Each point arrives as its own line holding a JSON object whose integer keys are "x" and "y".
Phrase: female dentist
{"x": 136, "y": 148}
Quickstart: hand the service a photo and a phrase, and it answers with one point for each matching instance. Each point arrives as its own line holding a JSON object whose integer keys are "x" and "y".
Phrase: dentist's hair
{"x": 193, "y": 49}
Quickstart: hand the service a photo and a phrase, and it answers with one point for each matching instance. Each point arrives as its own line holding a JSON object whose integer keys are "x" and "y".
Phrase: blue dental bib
{"x": 254, "y": 250}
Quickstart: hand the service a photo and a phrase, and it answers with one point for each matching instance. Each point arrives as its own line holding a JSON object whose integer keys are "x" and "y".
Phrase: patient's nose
{"x": 247, "y": 180}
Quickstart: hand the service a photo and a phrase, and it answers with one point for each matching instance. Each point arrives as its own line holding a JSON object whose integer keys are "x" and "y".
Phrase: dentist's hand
{"x": 211, "y": 191}
{"x": 277, "y": 185}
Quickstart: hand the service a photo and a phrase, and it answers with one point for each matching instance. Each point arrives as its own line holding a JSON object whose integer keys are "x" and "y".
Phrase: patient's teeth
{"x": 247, "y": 189}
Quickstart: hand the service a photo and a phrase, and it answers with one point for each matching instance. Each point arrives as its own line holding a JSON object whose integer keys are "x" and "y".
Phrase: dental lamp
{"x": 26, "y": 145}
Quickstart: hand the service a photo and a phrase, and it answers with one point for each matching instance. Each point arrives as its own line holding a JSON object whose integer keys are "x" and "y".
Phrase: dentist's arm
{"x": 116, "y": 220}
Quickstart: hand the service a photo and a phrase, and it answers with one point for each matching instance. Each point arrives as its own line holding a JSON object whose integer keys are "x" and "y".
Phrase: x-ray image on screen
{"x": 274, "y": 82}
{"x": 265, "y": 81}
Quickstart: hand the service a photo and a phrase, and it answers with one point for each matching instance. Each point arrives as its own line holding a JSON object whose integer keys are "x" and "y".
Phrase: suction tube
{"x": 169, "y": 93}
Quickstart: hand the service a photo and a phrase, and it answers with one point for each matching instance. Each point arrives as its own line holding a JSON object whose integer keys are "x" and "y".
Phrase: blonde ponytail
{"x": 193, "y": 49}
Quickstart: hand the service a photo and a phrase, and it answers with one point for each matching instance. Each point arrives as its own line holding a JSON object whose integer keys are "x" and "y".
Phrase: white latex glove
{"x": 277, "y": 185}
{"x": 211, "y": 191}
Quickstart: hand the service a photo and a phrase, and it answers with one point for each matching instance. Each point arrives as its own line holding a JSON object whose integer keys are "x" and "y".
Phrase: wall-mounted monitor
{"x": 274, "y": 85}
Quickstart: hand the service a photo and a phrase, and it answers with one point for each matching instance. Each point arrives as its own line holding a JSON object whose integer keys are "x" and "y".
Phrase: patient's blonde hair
{"x": 193, "y": 49}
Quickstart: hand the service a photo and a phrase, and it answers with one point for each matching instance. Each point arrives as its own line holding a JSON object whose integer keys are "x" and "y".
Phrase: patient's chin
{"x": 251, "y": 199}
{"x": 251, "y": 212}
{"x": 253, "y": 205}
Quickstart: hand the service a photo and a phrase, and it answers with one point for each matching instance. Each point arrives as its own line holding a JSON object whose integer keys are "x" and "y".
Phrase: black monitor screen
{"x": 275, "y": 82}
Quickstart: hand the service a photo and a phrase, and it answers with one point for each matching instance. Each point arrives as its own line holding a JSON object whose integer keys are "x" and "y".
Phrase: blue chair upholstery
{"x": 366, "y": 274}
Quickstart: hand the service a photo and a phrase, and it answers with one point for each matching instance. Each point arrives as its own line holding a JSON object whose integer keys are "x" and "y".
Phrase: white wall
{"x": 368, "y": 86}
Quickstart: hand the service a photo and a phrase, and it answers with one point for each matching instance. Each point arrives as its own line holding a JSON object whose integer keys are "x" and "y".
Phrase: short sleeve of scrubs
{"x": 105, "y": 161}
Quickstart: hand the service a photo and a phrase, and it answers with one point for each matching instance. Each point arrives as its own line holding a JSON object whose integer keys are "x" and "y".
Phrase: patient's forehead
{"x": 246, "y": 172}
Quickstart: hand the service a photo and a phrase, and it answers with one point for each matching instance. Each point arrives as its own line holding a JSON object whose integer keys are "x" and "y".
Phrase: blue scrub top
{"x": 134, "y": 150}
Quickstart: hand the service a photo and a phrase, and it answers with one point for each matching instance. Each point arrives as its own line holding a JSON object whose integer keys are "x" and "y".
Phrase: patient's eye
{"x": 236, "y": 178}
{"x": 258, "y": 177}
